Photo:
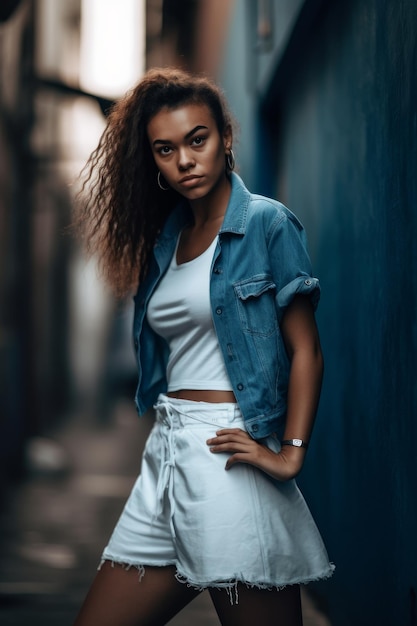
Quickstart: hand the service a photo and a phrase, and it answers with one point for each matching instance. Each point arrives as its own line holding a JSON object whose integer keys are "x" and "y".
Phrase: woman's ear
{"x": 227, "y": 138}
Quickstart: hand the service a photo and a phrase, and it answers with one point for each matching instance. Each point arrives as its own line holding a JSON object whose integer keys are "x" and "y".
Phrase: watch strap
{"x": 297, "y": 443}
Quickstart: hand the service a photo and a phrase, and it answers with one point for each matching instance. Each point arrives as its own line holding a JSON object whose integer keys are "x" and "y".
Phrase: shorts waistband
{"x": 180, "y": 413}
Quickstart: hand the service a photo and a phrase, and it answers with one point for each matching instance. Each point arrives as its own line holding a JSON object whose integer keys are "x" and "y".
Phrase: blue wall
{"x": 337, "y": 142}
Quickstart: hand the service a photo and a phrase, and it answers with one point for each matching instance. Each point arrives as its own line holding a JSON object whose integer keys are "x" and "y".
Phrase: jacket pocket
{"x": 255, "y": 301}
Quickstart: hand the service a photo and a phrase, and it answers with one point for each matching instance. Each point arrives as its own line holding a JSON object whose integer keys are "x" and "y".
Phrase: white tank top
{"x": 179, "y": 310}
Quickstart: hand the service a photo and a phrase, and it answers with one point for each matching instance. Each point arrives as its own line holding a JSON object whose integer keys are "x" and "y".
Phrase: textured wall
{"x": 347, "y": 166}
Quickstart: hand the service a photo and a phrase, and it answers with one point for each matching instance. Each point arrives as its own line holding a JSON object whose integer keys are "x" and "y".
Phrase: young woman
{"x": 228, "y": 354}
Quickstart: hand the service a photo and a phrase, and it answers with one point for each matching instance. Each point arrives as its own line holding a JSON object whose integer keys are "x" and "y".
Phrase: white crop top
{"x": 179, "y": 310}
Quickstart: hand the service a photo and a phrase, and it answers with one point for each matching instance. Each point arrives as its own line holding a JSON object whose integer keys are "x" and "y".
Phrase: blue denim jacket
{"x": 259, "y": 264}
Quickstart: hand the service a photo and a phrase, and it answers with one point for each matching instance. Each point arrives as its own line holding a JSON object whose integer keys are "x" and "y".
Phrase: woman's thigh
{"x": 259, "y": 606}
{"x": 118, "y": 598}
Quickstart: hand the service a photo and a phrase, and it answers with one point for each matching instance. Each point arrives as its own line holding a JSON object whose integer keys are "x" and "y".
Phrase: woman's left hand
{"x": 282, "y": 465}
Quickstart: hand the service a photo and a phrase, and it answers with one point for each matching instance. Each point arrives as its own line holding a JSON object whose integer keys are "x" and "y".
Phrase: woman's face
{"x": 188, "y": 149}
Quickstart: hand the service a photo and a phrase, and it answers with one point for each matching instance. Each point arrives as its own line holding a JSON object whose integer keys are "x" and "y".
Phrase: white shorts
{"x": 217, "y": 527}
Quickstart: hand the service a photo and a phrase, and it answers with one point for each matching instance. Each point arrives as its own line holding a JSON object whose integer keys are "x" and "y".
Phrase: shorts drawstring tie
{"x": 167, "y": 463}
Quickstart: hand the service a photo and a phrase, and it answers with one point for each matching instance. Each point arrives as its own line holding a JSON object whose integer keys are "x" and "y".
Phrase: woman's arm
{"x": 302, "y": 342}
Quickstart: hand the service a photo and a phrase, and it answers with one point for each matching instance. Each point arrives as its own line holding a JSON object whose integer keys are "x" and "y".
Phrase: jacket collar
{"x": 237, "y": 209}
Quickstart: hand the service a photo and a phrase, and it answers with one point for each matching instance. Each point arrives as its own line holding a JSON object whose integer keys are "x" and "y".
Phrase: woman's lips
{"x": 188, "y": 181}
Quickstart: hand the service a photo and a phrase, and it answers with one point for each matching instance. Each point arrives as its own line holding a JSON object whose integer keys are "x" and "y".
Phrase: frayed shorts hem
{"x": 230, "y": 585}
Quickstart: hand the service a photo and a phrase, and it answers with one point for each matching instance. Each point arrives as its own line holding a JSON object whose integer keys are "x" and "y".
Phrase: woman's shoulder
{"x": 248, "y": 209}
{"x": 256, "y": 205}
{"x": 271, "y": 211}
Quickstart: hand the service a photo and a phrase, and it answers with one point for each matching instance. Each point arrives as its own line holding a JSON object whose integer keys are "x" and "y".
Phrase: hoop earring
{"x": 230, "y": 160}
{"x": 160, "y": 185}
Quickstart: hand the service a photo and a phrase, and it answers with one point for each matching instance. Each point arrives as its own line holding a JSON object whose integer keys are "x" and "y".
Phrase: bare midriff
{"x": 203, "y": 395}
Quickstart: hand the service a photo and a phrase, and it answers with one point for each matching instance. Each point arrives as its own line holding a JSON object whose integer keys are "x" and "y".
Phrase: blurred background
{"x": 325, "y": 94}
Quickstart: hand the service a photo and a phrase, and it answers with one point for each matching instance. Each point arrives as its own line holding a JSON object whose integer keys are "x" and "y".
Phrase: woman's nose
{"x": 185, "y": 159}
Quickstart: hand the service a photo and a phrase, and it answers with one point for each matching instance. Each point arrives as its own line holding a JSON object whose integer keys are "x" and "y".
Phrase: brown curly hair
{"x": 122, "y": 209}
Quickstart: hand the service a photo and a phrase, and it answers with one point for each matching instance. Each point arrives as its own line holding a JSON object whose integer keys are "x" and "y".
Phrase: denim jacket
{"x": 259, "y": 264}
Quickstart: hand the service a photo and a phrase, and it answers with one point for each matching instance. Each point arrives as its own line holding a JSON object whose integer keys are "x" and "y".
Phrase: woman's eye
{"x": 198, "y": 141}
{"x": 165, "y": 150}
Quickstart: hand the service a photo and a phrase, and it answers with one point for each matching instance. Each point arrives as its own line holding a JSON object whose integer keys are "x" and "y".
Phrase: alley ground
{"x": 53, "y": 526}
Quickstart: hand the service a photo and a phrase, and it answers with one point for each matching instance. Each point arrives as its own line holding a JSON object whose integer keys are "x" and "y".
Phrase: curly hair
{"x": 122, "y": 209}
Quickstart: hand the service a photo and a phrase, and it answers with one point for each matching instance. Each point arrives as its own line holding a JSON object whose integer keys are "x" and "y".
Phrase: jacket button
{"x": 219, "y": 311}
{"x": 240, "y": 386}
{"x": 308, "y": 282}
{"x": 255, "y": 428}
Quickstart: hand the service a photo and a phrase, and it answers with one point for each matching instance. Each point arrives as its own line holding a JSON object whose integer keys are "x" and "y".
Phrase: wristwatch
{"x": 297, "y": 443}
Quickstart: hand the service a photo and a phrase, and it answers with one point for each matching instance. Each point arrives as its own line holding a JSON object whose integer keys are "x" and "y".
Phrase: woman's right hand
{"x": 282, "y": 466}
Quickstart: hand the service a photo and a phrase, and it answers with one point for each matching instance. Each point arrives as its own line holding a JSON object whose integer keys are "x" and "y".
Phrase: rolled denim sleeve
{"x": 309, "y": 286}
{"x": 291, "y": 265}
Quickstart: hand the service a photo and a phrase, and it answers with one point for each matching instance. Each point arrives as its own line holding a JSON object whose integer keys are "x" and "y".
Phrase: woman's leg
{"x": 259, "y": 606}
{"x": 118, "y": 598}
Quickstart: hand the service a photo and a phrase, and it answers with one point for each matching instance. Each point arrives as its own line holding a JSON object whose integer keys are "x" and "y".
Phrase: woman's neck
{"x": 212, "y": 207}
